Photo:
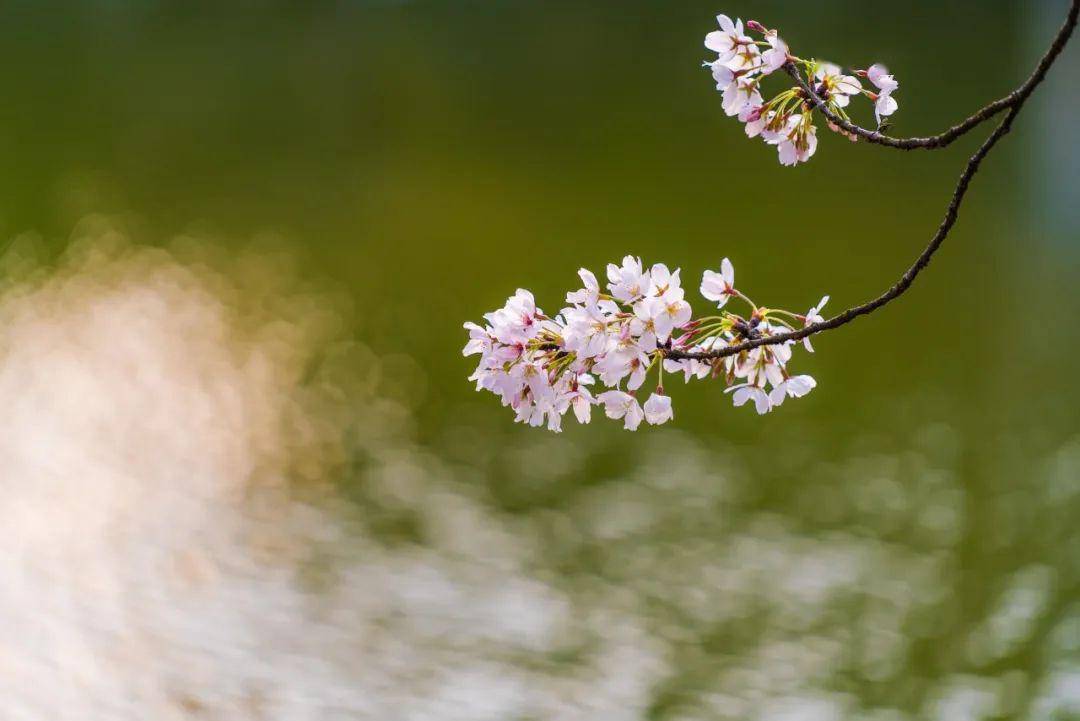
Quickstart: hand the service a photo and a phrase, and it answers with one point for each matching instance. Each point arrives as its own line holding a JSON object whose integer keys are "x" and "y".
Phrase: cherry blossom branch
{"x": 542, "y": 366}
{"x": 941, "y": 140}
{"x": 1014, "y": 102}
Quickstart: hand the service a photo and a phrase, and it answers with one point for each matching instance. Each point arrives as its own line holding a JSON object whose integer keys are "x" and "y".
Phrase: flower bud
{"x": 755, "y": 26}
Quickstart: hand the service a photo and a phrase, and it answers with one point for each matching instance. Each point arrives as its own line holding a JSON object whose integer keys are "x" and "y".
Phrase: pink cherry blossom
{"x": 814, "y": 316}
{"x": 728, "y": 39}
{"x": 787, "y": 120}
{"x": 658, "y": 409}
{"x": 618, "y": 404}
{"x": 541, "y": 366}
{"x": 720, "y": 286}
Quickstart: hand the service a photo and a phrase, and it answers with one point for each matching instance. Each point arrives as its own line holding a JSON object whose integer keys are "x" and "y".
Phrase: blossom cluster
{"x": 541, "y": 366}
{"x": 786, "y": 121}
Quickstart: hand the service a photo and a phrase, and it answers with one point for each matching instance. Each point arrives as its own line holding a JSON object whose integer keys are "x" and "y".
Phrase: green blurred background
{"x": 425, "y": 159}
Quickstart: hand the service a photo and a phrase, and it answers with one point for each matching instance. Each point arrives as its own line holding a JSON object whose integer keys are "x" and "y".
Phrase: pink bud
{"x": 755, "y": 26}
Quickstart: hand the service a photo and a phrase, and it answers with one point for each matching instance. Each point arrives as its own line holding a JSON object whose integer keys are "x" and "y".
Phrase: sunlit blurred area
{"x": 244, "y": 475}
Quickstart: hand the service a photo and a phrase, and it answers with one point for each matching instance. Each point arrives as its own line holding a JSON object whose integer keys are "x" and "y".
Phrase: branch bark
{"x": 1013, "y": 103}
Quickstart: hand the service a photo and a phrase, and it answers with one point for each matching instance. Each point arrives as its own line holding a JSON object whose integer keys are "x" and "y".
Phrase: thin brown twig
{"x": 930, "y": 142}
{"x": 945, "y": 138}
{"x": 1014, "y": 101}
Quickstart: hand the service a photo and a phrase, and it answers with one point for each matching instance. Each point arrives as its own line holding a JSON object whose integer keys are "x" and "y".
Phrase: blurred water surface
{"x": 245, "y": 238}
